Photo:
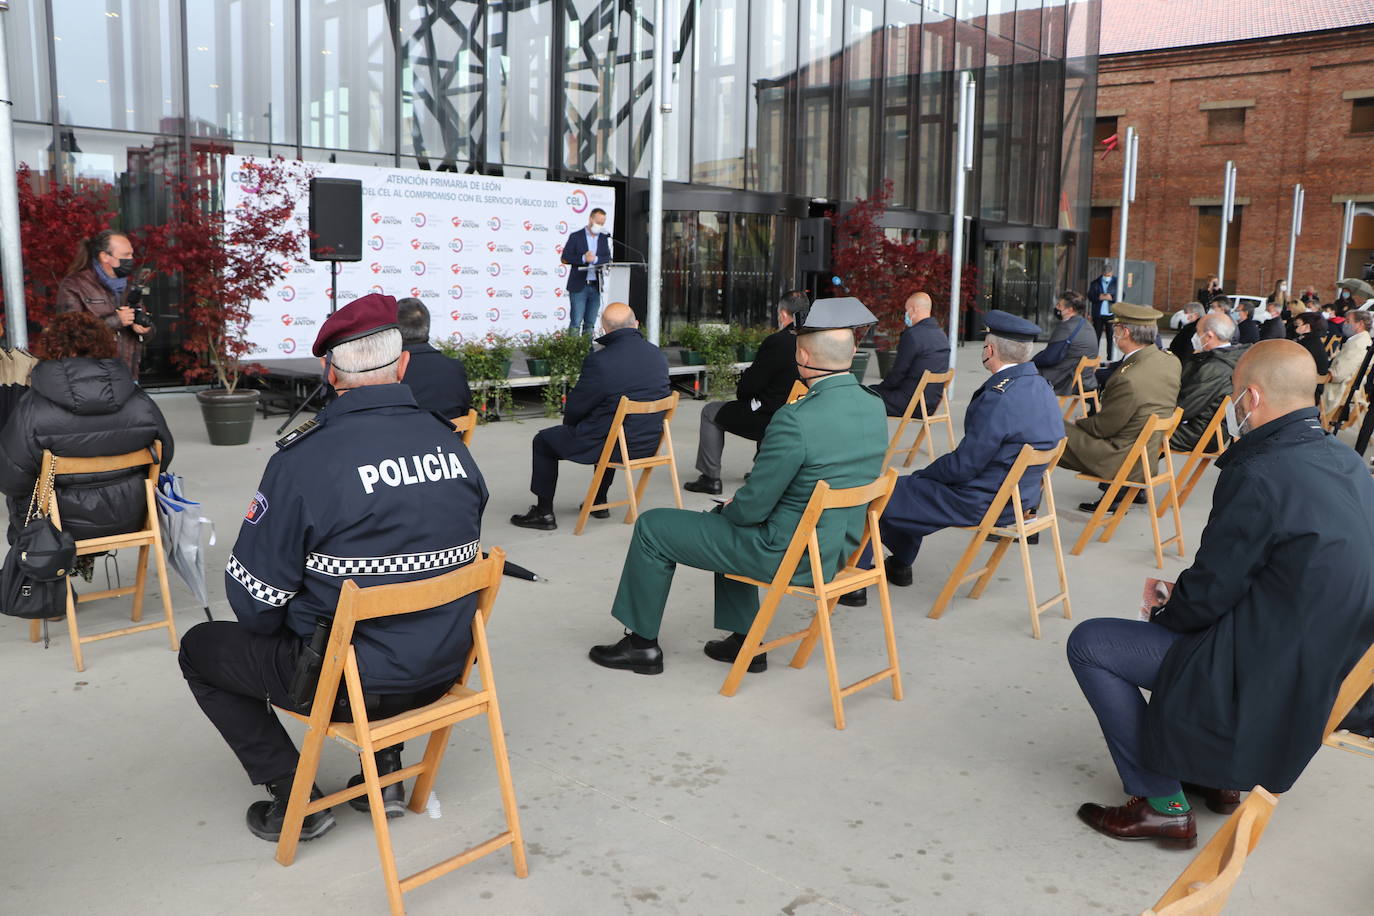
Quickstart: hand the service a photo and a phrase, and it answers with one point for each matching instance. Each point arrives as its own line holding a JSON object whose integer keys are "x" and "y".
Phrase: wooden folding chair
{"x": 1208, "y": 449}
{"x": 1356, "y": 684}
{"x": 1207, "y": 882}
{"x": 147, "y": 539}
{"x": 1356, "y": 406}
{"x": 615, "y": 437}
{"x": 1144, "y": 454}
{"x": 1072, "y": 403}
{"x": 1023, "y": 527}
{"x": 466, "y": 425}
{"x": 825, "y": 594}
{"x": 436, "y": 720}
{"x": 916, "y": 405}
{"x": 797, "y": 392}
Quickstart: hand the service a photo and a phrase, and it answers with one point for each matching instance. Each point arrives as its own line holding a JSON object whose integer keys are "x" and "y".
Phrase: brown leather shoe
{"x": 1221, "y": 801}
{"x": 1136, "y": 820}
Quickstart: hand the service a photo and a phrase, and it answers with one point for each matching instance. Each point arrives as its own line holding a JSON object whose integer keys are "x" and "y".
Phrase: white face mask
{"x": 1236, "y": 426}
{"x": 1197, "y": 343}
{"x": 596, "y": 228}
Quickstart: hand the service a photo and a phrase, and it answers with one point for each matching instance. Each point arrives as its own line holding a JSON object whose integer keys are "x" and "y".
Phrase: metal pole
{"x": 1347, "y": 235}
{"x": 1228, "y": 197}
{"x": 1129, "y": 149}
{"x": 963, "y": 163}
{"x": 1296, "y": 230}
{"x": 11, "y": 257}
{"x": 662, "y": 72}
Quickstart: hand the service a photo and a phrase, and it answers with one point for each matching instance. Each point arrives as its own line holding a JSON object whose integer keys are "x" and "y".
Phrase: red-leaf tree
{"x": 53, "y": 219}
{"x": 882, "y": 271}
{"x": 227, "y": 261}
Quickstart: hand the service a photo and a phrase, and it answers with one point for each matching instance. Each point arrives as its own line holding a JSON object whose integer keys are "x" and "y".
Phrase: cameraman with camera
{"x": 98, "y": 282}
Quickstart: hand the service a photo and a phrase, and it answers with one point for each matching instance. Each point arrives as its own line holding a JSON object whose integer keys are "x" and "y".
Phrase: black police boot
{"x": 704, "y": 484}
{"x": 393, "y": 796}
{"x": 539, "y": 521}
{"x": 265, "y": 817}
{"x": 727, "y": 650}
{"x": 633, "y": 653}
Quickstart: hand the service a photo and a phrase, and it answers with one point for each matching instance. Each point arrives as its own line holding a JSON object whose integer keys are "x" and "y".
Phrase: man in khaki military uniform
{"x": 1145, "y": 382}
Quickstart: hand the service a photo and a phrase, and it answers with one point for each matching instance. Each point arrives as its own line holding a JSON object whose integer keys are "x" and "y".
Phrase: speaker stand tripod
{"x": 323, "y": 387}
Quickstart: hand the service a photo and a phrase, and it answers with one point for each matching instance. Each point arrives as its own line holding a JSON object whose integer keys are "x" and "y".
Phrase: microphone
{"x": 633, "y": 250}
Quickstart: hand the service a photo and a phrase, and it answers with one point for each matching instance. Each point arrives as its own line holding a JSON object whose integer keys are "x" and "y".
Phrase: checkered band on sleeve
{"x": 267, "y": 594}
{"x": 343, "y": 567}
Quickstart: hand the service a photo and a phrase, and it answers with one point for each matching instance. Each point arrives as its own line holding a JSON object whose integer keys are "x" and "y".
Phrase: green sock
{"x": 1170, "y": 804}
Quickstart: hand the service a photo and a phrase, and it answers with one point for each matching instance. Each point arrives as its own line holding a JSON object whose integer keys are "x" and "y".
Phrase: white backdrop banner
{"x": 480, "y": 252}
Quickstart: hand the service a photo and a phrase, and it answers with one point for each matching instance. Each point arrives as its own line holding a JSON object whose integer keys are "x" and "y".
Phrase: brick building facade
{"x": 1291, "y": 108}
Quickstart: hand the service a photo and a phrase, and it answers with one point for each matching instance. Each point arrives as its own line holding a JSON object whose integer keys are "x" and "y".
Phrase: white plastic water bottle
{"x": 432, "y": 806}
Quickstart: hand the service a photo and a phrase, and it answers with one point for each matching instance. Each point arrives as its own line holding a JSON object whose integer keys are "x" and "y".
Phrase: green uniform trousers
{"x": 662, "y": 539}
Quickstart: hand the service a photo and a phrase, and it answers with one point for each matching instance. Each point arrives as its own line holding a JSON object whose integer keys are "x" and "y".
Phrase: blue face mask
{"x": 907, "y": 319}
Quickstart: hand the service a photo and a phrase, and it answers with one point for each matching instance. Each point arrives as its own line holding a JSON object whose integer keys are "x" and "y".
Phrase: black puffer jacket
{"x": 81, "y": 408}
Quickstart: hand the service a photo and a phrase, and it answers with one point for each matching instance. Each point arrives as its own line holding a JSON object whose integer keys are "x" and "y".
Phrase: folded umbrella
{"x": 182, "y": 526}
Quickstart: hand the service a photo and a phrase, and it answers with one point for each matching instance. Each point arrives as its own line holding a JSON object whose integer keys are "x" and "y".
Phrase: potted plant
{"x": 227, "y": 261}
{"x": 566, "y": 354}
{"x": 718, "y": 352}
{"x": 488, "y": 365}
{"x": 692, "y": 339}
{"x": 747, "y": 342}
{"x": 538, "y": 351}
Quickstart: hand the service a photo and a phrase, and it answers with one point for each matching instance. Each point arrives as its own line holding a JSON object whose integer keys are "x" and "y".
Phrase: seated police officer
{"x": 626, "y": 364}
{"x": 375, "y": 490}
{"x": 762, "y": 389}
{"x": 439, "y": 382}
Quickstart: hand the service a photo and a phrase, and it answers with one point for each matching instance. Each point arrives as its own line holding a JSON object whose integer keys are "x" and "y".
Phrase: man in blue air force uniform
{"x": 1015, "y": 406}
{"x": 374, "y": 490}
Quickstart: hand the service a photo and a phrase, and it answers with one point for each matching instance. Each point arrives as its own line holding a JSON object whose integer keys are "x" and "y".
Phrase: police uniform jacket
{"x": 439, "y": 382}
{"x": 626, "y": 364}
{"x": 1014, "y": 407}
{"x": 768, "y": 380}
{"x": 922, "y": 346}
{"x": 1145, "y": 383}
{"x": 379, "y": 492}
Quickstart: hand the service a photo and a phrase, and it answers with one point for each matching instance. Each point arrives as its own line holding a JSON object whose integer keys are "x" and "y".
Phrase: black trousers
{"x": 1366, "y": 428}
{"x": 551, "y": 445}
{"x": 1102, "y": 324}
{"x": 236, "y": 675}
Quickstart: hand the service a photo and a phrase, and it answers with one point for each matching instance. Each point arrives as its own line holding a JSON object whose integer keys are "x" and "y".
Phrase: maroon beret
{"x": 361, "y": 317}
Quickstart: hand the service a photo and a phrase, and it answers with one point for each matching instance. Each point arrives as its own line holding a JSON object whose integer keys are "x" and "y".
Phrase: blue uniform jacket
{"x": 626, "y": 364}
{"x": 1013, "y": 407}
{"x": 575, "y": 248}
{"x": 379, "y": 492}
{"x": 922, "y": 346}
{"x": 439, "y": 382}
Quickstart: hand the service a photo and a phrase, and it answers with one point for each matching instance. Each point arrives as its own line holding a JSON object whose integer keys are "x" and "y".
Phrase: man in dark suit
{"x": 762, "y": 389}
{"x": 589, "y": 247}
{"x": 438, "y": 382}
{"x": 923, "y": 345}
{"x": 627, "y": 365}
{"x": 1102, "y": 292}
{"x": 1247, "y": 329}
{"x": 1182, "y": 345}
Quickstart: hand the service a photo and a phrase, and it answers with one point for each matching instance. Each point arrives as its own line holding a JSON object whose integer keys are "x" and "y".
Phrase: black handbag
{"x": 33, "y": 580}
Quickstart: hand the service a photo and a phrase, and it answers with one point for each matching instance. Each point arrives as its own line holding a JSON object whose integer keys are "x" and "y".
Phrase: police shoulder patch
{"x": 256, "y": 509}
{"x": 299, "y": 433}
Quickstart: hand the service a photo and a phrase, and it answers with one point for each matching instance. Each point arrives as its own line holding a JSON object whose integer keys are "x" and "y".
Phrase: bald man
{"x": 923, "y": 345}
{"x": 626, "y": 364}
{"x": 1245, "y": 657}
{"x": 836, "y": 432}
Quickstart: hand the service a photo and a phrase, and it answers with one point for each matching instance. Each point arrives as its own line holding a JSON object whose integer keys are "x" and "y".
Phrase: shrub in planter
{"x": 718, "y": 351}
{"x": 538, "y": 351}
{"x": 488, "y": 366}
{"x": 692, "y": 339}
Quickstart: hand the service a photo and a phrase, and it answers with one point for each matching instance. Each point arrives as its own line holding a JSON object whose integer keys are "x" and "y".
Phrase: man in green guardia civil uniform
{"x": 837, "y": 432}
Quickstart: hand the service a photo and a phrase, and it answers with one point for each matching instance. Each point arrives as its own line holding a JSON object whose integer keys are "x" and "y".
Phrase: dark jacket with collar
{"x": 82, "y": 408}
{"x": 1248, "y": 331}
{"x": 923, "y": 346}
{"x": 379, "y": 492}
{"x": 626, "y": 364}
{"x": 1108, "y": 285}
{"x": 1274, "y": 329}
{"x": 1182, "y": 344}
{"x": 1204, "y": 381}
{"x": 1081, "y": 341}
{"x": 573, "y": 251}
{"x": 439, "y": 382}
{"x": 83, "y": 292}
{"x": 1275, "y": 610}
{"x": 768, "y": 379}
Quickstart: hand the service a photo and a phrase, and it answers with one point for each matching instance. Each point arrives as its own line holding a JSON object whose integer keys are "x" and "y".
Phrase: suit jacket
{"x": 83, "y": 292}
{"x": 1099, "y": 286}
{"x": 1204, "y": 381}
{"x": 439, "y": 382}
{"x": 1083, "y": 342}
{"x": 1146, "y": 383}
{"x": 1182, "y": 344}
{"x": 574, "y": 249}
{"x": 1273, "y": 329}
{"x": 1248, "y": 331}
{"x": 922, "y": 346}
{"x": 837, "y": 432}
{"x": 768, "y": 379}
{"x": 627, "y": 365}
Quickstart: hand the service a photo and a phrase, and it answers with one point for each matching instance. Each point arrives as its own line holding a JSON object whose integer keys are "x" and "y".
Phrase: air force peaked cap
{"x": 361, "y": 317}
{"x": 829, "y": 314}
{"x": 1009, "y": 326}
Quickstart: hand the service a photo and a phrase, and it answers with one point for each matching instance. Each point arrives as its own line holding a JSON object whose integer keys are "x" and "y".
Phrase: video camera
{"x": 134, "y": 300}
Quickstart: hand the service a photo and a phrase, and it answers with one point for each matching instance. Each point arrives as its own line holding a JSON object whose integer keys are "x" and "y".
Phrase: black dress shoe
{"x": 597, "y": 513}
{"x": 265, "y": 817}
{"x": 393, "y": 796}
{"x": 1220, "y": 801}
{"x": 1140, "y": 500}
{"x": 898, "y": 574}
{"x": 727, "y": 650}
{"x": 648, "y": 660}
{"x": 539, "y": 521}
{"x": 855, "y": 599}
{"x": 704, "y": 484}
{"x": 1136, "y": 820}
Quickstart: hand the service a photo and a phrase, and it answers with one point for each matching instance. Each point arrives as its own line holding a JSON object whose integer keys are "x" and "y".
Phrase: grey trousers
{"x": 710, "y": 441}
